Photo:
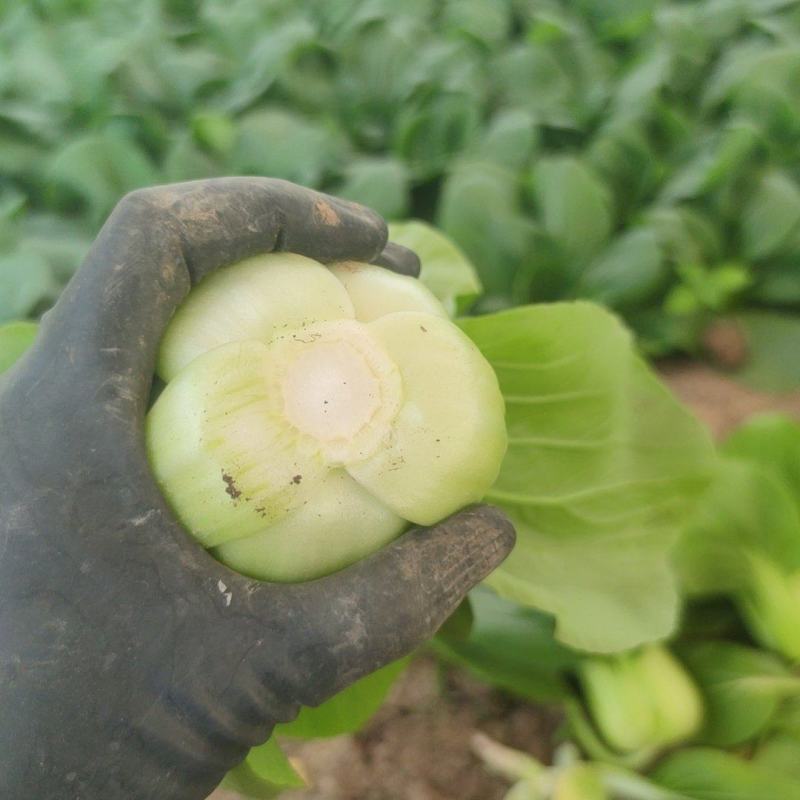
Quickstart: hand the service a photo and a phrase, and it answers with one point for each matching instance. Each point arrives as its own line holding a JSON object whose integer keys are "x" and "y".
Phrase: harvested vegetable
{"x": 311, "y": 414}
{"x": 643, "y": 700}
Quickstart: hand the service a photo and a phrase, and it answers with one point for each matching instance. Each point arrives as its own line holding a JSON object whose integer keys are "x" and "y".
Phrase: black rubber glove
{"x": 132, "y": 665}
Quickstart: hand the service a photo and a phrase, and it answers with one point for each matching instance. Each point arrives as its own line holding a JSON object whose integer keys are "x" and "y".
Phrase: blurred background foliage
{"x": 640, "y": 153}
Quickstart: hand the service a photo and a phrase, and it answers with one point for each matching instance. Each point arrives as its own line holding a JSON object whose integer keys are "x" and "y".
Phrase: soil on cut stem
{"x": 418, "y": 745}
{"x": 231, "y": 489}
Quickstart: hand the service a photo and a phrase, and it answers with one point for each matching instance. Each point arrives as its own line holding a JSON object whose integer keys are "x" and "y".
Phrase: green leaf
{"x": 580, "y": 782}
{"x": 773, "y": 442}
{"x": 382, "y": 184}
{"x": 659, "y": 333}
{"x": 529, "y": 76}
{"x": 623, "y": 157}
{"x": 706, "y": 290}
{"x": 770, "y": 604}
{"x": 575, "y": 207}
{"x": 705, "y": 774}
{"x": 619, "y": 19}
{"x": 744, "y": 511}
{"x": 432, "y": 131}
{"x": 510, "y": 139}
{"x": 511, "y": 647}
{"x": 685, "y": 235}
{"x": 486, "y": 22}
{"x": 458, "y": 626}
{"x": 15, "y": 339}
{"x": 788, "y": 719}
{"x": 603, "y": 467}
{"x": 636, "y": 92}
{"x": 778, "y": 282}
{"x": 770, "y": 216}
{"x": 216, "y": 132}
{"x": 186, "y": 161}
{"x": 742, "y": 687}
{"x": 723, "y": 159}
{"x": 772, "y": 340}
{"x": 446, "y": 271}
{"x": 641, "y": 701}
{"x": 264, "y": 61}
{"x": 100, "y": 168}
{"x": 496, "y": 243}
{"x": 542, "y": 273}
{"x": 744, "y": 541}
{"x": 629, "y": 272}
{"x": 622, "y": 782}
{"x": 347, "y": 711}
{"x": 26, "y": 281}
{"x": 780, "y": 755}
{"x": 63, "y": 243}
{"x": 264, "y": 774}
{"x": 278, "y": 143}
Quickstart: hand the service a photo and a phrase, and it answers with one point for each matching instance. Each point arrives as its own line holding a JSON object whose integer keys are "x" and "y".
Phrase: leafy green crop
{"x": 511, "y": 647}
{"x": 637, "y": 154}
{"x": 602, "y": 468}
{"x": 622, "y": 152}
{"x": 744, "y": 540}
{"x": 705, "y": 774}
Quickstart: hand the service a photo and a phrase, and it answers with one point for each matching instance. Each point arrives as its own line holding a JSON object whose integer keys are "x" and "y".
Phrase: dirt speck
{"x": 311, "y": 338}
{"x": 325, "y": 213}
{"x": 231, "y": 489}
{"x": 423, "y": 328}
{"x": 297, "y": 478}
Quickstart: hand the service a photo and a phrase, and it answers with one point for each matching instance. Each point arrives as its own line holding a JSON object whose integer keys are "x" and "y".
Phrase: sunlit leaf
{"x": 627, "y": 273}
{"x": 347, "y": 711}
{"x": 511, "y": 647}
{"x": 265, "y": 773}
{"x": 380, "y": 183}
{"x": 26, "y": 280}
{"x": 742, "y": 688}
{"x": 770, "y": 215}
{"x": 603, "y": 467}
{"x": 15, "y": 339}
{"x": 445, "y": 270}
{"x": 705, "y": 774}
{"x": 281, "y": 144}
{"x": 99, "y": 169}
{"x": 575, "y": 207}
{"x": 495, "y": 242}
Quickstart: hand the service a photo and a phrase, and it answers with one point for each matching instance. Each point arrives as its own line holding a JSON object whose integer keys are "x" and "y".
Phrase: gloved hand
{"x": 132, "y": 665}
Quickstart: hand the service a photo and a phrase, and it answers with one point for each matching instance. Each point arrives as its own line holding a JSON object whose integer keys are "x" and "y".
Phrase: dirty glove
{"x": 133, "y": 666}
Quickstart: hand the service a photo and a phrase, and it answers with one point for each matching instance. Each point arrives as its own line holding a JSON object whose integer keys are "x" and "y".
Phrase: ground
{"x": 418, "y": 745}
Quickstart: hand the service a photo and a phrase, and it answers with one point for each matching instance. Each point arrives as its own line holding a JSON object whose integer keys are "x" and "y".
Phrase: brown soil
{"x": 417, "y": 746}
{"x": 719, "y": 401}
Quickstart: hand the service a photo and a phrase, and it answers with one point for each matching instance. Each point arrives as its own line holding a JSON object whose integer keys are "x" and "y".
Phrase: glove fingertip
{"x": 399, "y": 259}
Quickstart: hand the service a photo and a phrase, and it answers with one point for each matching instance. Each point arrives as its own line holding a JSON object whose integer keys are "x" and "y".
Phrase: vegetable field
{"x": 605, "y": 200}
